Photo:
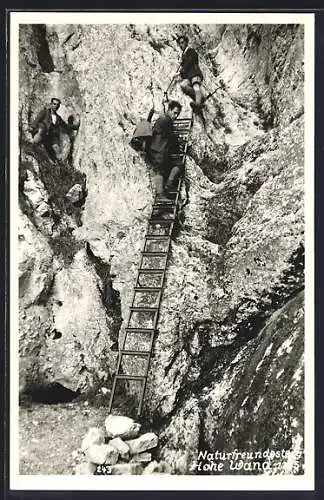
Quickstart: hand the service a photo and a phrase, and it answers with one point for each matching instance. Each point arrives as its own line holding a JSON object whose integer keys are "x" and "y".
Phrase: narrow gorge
{"x": 227, "y": 371}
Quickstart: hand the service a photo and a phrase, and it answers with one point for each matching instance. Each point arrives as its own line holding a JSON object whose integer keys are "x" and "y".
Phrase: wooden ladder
{"x": 150, "y": 278}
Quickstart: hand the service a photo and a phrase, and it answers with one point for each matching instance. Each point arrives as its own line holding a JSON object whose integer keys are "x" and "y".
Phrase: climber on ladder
{"x": 190, "y": 74}
{"x": 162, "y": 144}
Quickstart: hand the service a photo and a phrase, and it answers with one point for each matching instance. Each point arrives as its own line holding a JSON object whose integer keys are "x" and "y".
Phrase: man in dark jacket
{"x": 162, "y": 144}
{"x": 190, "y": 72}
{"x": 48, "y": 125}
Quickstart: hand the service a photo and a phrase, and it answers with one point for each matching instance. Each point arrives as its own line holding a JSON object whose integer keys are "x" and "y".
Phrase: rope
{"x": 165, "y": 93}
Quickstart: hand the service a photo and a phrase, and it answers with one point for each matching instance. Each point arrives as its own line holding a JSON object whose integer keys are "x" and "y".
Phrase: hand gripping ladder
{"x": 144, "y": 311}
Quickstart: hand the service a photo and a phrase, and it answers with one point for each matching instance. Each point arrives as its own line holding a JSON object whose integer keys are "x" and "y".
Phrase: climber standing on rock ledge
{"x": 162, "y": 144}
{"x": 48, "y": 125}
{"x": 190, "y": 73}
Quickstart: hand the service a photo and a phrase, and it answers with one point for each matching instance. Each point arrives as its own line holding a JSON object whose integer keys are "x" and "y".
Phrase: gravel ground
{"x": 49, "y": 434}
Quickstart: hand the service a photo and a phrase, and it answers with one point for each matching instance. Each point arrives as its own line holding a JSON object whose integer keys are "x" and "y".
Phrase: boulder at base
{"x": 95, "y": 435}
{"x": 102, "y": 454}
{"x": 145, "y": 457}
{"x": 121, "y": 447}
{"x": 123, "y": 427}
{"x": 145, "y": 442}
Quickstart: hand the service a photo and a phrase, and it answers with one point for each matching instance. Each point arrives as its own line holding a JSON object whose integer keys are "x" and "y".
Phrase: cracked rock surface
{"x": 235, "y": 274}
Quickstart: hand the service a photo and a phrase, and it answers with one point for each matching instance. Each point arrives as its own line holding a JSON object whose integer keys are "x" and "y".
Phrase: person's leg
{"x": 186, "y": 88}
{"x": 198, "y": 94}
{"x": 49, "y": 148}
{"x": 196, "y": 84}
{"x": 158, "y": 181}
{"x": 172, "y": 178}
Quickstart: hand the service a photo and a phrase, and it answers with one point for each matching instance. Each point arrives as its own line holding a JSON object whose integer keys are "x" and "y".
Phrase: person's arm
{"x": 70, "y": 125}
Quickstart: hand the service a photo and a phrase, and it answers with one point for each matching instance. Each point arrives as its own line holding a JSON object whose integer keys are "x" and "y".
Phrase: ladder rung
{"x": 143, "y": 270}
{"x": 144, "y": 309}
{"x": 163, "y": 204}
{"x": 152, "y": 234}
{"x": 130, "y": 377}
{"x": 154, "y": 254}
{"x": 145, "y": 289}
{"x": 125, "y": 352}
{"x": 162, "y": 221}
{"x": 140, "y": 330}
{"x": 168, "y": 207}
{"x": 157, "y": 237}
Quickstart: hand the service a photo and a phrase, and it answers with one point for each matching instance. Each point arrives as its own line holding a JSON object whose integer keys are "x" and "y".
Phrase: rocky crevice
{"x": 42, "y": 49}
{"x": 237, "y": 254}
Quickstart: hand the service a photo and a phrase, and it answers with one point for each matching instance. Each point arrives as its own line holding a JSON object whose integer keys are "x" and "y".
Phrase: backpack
{"x": 142, "y": 134}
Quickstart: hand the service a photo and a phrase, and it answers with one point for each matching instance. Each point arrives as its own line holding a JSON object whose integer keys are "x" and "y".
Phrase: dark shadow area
{"x": 52, "y": 394}
{"x": 43, "y": 54}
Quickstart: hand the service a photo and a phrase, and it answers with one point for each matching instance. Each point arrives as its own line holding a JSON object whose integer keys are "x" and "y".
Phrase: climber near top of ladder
{"x": 162, "y": 144}
{"x": 190, "y": 73}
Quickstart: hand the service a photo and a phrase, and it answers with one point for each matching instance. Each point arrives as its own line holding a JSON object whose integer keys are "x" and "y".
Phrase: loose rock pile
{"x": 118, "y": 449}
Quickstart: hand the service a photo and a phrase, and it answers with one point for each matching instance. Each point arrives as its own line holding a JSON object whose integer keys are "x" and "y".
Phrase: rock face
{"x": 230, "y": 323}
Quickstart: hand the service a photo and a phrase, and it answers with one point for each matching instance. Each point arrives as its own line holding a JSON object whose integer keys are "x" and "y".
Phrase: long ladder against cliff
{"x": 145, "y": 307}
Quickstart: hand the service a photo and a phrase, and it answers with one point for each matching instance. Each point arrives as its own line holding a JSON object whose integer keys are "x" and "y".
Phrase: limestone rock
{"x": 95, "y": 435}
{"x": 75, "y": 194}
{"x": 102, "y": 454}
{"x": 99, "y": 249}
{"x": 79, "y": 316}
{"x": 35, "y": 263}
{"x": 151, "y": 468}
{"x": 142, "y": 457}
{"x": 121, "y": 447}
{"x": 123, "y": 427}
{"x": 127, "y": 469}
{"x": 85, "y": 469}
{"x": 157, "y": 467}
{"x": 35, "y": 190}
{"x": 182, "y": 437}
{"x": 142, "y": 443}
{"x": 274, "y": 360}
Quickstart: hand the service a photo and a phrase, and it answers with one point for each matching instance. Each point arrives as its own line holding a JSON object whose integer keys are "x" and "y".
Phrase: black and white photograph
{"x": 161, "y": 204}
